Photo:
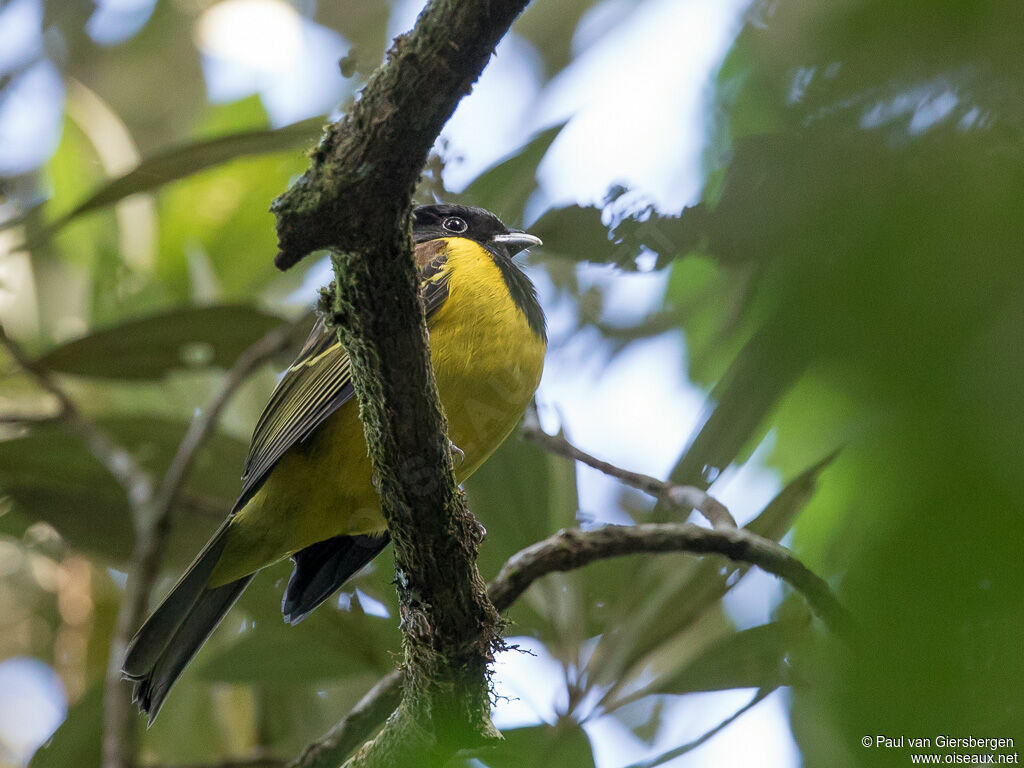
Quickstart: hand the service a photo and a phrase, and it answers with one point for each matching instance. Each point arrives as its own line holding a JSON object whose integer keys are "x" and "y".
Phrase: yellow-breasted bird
{"x": 307, "y": 490}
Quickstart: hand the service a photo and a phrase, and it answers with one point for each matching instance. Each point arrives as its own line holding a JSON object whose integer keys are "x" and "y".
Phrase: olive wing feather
{"x": 313, "y": 387}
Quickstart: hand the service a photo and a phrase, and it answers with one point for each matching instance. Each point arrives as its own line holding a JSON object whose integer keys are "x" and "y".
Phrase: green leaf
{"x": 51, "y": 476}
{"x": 153, "y": 346}
{"x": 752, "y": 658}
{"x": 504, "y": 188}
{"x": 328, "y": 645}
{"x": 576, "y": 233}
{"x": 751, "y": 387}
{"x": 79, "y": 739}
{"x": 521, "y": 494}
{"x": 541, "y": 746}
{"x": 184, "y": 160}
{"x": 679, "y": 595}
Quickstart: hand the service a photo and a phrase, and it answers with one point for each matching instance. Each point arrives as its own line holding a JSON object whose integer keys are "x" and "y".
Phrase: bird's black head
{"x": 433, "y": 221}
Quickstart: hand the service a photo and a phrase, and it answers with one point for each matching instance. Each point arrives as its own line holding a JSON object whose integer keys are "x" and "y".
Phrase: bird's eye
{"x": 455, "y": 224}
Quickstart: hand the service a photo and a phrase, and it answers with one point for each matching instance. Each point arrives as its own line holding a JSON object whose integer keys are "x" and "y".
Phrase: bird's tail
{"x": 177, "y": 629}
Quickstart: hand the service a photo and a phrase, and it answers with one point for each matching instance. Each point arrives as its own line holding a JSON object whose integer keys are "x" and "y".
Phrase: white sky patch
{"x": 501, "y": 100}
{"x": 372, "y": 605}
{"x": 760, "y": 737}
{"x": 637, "y": 411}
{"x": 33, "y": 704}
{"x": 637, "y": 99}
{"x": 30, "y": 118}
{"x": 266, "y": 47}
{"x": 114, "y": 21}
{"x": 528, "y": 683}
{"x": 21, "y": 21}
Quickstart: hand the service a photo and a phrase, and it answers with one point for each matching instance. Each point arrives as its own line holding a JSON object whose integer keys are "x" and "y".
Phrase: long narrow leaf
{"x": 181, "y": 161}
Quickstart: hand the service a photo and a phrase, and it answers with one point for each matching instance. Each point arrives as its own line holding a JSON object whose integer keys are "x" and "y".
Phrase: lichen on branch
{"x": 355, "y": 200}
{"x": 363, "y": 172}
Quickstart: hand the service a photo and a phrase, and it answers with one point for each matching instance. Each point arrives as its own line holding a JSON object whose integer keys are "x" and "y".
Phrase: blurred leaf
{"x": 751, "y": 658}
{"x": 51, "y": 476}
{"x": 551, "y": 29}
{"x": 521, "y": 494}
{"x": 504, "y": 188}
{"x": 677, "y": 597}
{"x": 328, "y": 645}
{"x": 541, "y": 746}
{"x": 217, "y": 236}
{"x": 187, "y": 159}
{"x": 79, "y": 739}
{"x": 751, "y": 387}
{"x": 576, "y": 233}
{"x": 216, "y": 472}
{"x": 580, "y": 234}
{"x": 151, "y": 347}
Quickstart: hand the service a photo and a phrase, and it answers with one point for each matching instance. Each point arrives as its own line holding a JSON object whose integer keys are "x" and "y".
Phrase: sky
{"x": 635, "y": 409}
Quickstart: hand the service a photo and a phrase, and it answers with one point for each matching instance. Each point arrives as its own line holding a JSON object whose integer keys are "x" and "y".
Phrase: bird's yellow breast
{"x": 487, "y": 362}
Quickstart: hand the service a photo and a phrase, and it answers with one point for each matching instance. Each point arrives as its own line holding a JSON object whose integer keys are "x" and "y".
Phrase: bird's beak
{"x": 516, "y": 241}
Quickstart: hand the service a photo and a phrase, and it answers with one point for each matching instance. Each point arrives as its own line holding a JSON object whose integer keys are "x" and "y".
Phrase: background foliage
{"x": 850, "y": 278}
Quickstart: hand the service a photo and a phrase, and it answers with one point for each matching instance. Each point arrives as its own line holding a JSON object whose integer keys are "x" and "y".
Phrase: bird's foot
{"x": 458, "y": 455}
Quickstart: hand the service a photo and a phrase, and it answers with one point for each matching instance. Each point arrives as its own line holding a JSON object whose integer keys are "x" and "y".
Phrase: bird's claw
{"x": 458, "y": 455}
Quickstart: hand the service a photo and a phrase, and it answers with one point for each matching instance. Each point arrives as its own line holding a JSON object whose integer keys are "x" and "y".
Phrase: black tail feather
{"x": 323, "y": 567}
{"x": 152, "y": 687}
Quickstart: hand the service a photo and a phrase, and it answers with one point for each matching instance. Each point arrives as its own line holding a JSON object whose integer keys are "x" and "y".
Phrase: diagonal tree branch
{"x": 680, "y": 497}
{"x": 355, "y": 200}
{"x": 572, "y": 548}
{"x": 362, "y": 174}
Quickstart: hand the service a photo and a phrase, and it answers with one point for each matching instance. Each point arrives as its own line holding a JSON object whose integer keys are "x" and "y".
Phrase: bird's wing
{"x": 315, "y": 386}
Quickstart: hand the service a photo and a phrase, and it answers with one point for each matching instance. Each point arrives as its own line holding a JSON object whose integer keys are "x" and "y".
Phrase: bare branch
{"x": 571, "y": 548}
{"x": 680, "y": 497}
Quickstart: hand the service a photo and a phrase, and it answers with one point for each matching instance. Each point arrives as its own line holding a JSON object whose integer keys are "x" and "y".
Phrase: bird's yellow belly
{"x": 487, "y": 362}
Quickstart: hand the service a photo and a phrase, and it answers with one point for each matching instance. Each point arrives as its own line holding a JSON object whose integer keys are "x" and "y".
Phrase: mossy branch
{"x": 363, "y": 172}
{"x": 355, "y": 201}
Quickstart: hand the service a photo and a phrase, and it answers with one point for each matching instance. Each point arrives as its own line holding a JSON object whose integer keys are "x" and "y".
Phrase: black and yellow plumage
{"x": 307, "y": 491}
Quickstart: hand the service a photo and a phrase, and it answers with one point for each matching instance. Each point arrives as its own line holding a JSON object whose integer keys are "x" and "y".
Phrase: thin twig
{"x": 672, "y": 754}
{"x": 200, "y": 430}
{"x": 682, "y": 497}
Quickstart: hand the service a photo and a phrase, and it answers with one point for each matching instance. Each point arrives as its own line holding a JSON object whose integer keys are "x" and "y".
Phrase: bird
{"x": 308, "y": 490}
